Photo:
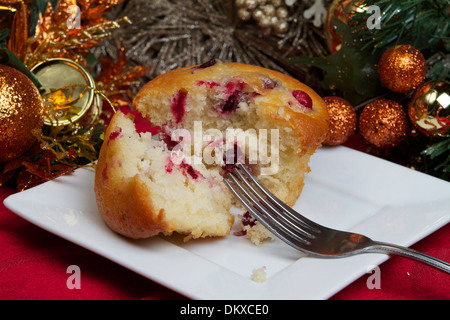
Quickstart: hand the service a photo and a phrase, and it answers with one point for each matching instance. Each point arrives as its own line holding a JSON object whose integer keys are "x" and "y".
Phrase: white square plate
{"x": 345, "y": 189}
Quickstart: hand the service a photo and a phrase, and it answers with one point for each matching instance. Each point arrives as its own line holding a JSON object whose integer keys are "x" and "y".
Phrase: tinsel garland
{"x": 168, "y": 34}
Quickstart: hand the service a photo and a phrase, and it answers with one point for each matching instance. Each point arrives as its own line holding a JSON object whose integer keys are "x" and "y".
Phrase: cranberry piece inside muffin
{"x": 303, "y": 99}
{"x": 248, "y": 221}
{"x": 190, "y": 170}
{"x": 233, "y": 96}
{"x": 207, "y": 64}
{"x": 178, "y": 106}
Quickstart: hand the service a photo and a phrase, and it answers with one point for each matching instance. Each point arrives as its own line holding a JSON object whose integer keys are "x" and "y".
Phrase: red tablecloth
{"x": 34, "y": 262}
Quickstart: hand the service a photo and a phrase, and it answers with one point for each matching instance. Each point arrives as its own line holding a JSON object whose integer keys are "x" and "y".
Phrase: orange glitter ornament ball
{"x": 21, "y": 112}
{"x": 343, "y": 120}
{"x": 402, "y": 68}
{"x": 383, "y": 123}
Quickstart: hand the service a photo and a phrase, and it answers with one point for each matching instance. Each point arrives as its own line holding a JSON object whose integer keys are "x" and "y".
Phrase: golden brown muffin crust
{"x": 312, "y": 125}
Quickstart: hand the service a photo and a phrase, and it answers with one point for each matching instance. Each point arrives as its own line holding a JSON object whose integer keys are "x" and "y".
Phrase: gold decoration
{"x": 13, "y": 15}
{"x": 21, "y": 113}
{"x": 270, "y": 15}
{"x": 116, "y": 79}
{"x": 429, "y": 108}
{"x": 383, "y": 123}
{"x": 402, "y": 68}
{"x": 343, "y": 10}
{"x": 53, "y": 38}
{"x": 69, "y": 90}
{"x": 338, "y": 9}
{"x": 343, "y": 120}
{"x": 63, "y": 145}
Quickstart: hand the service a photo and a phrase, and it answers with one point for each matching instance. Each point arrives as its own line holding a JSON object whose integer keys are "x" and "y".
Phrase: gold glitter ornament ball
{"x": 343, "y": 120}
{"x": 429, "y": 108}
{"x": 342, "y": 10}
{"x": 21, "y": 113}
{"x": 402, "y": 68}
{"x": 383, "y": 123}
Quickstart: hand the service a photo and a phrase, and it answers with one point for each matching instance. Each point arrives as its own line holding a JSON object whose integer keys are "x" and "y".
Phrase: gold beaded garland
{"x": 269, "y": 15}
{"x": 342, "y": 117}
{"x": 383, "y": 123}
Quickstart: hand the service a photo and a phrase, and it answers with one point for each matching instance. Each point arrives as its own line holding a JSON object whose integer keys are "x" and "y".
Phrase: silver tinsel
{"x": 168, "y": 34}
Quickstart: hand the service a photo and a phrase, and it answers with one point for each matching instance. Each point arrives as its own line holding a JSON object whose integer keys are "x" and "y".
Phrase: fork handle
{"x": 388, "y": 248}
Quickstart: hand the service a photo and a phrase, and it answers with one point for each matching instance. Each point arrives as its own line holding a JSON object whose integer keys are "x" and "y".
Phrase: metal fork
{"x": 304, "y": 234}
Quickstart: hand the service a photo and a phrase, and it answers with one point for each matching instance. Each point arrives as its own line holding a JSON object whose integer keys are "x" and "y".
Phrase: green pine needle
{"x": 421, "y": 23}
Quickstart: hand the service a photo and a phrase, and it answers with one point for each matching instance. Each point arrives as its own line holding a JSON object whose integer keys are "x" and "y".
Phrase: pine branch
{"x": 350, "y": 70}
{"x": 421, "y": 23}
{"x": 439, "y": 154}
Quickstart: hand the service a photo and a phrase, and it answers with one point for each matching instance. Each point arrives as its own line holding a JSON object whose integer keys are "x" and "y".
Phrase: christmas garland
{"x": 395, "y": 75}
{"x": 60, "y": 147}
{"x": 124, "y": 43}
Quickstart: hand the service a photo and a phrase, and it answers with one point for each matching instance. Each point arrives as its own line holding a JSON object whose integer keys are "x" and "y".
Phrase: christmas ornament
{"x": 339, "y": 9}
{"x": 429, "y": 108}
{"x": 14, "y": 17}
{"x": 69, "y": 90}
{"x": 342, "y": 120}
{"x": 73, "y": 103}
{"x": 383, "y": 123}
{"x": 21, "y": 113}
{"x": 402, "y": 68}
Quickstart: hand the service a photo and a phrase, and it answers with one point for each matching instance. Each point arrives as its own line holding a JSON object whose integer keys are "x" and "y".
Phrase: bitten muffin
{"x": 142, "y": 190}
{"x": 211, "y": 116}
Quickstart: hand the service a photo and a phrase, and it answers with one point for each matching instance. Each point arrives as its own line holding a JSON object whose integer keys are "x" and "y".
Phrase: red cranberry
{"x": 248, "y": 220}
{"x": 115, "y": 134}
{"x": 230, "y": 104}
{"x": 233, "y": 96}
{"x": 209, "y": 84}
{"x": 190, "y": 170}
{"x": 303, "y": 99}
{"x": 167, "y": 138}
{"x": 207, "y": 64}
{"x": 141, "y": 123}
{"x": 178, "y": 106}
{"x": 169, "y": 166}
{"x": 234, "y": 87}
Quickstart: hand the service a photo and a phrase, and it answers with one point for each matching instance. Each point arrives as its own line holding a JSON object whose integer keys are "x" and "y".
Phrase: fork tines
{"x": 270, "y": 211}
